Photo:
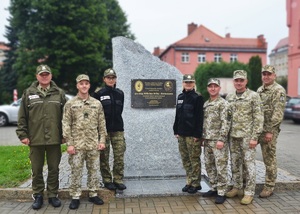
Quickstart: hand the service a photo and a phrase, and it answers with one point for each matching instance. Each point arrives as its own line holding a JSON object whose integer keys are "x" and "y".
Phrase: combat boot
{"x": 247, "y": 199}
{"x": 38, "y": 202}
{"x": 266, "y": 193}
{"x": 232, "y": 193}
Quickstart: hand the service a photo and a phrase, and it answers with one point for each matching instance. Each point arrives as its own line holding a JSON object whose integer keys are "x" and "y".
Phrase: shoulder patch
{"x": 282, "y": 97}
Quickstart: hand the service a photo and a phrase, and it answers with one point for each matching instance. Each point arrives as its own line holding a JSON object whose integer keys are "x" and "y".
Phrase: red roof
{"x": 202, "y": 36}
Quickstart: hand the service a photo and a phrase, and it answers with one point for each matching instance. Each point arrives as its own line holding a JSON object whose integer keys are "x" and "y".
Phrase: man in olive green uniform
{"x": 273, "y": 97}
{"x": 215, "y": 132}
{"x": 246, "y": 126}
{"x": 85, "y": 132}
{"x": 39, "y": 127}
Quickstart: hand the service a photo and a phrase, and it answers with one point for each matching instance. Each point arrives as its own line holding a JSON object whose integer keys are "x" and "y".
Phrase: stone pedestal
{"x": 151, "y": 144}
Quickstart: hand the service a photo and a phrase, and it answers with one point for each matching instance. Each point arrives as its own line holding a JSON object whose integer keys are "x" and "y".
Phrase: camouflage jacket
{"x": 216, "y": 120}
{"x": 273, "y": 99}
{"x": 247, "y": 116}
{"x": 84, "y": 123}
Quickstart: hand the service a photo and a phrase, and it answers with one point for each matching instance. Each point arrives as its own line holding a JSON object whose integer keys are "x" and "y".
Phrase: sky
{"x": 159, "y": 23}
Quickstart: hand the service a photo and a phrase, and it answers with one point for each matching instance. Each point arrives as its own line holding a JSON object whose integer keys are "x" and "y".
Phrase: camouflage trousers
{"x": 190, "y": 152}
{"x": 243, "y": 156}
{"x": 76, "y": 162}
{"x": 269, "y": 156}
{"x": 117, "y": 141}
{"x": 216, "y": 164}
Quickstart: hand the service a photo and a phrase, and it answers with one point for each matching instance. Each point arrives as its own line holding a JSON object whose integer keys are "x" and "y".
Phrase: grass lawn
{"x": 15, "y": 165}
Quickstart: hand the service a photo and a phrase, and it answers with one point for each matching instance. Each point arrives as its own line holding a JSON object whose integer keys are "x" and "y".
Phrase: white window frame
{"x": 185, "y": 57}
{"x": 218, "y": 57}
{"x": 201, "y": 57}
{"x": 233, "y": 57}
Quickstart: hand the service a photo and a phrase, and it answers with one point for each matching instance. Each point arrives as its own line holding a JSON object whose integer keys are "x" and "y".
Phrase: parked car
{"x": 9, "y": 113}
{"x": 296, "y": 113}
{"x": 288, "y": 107}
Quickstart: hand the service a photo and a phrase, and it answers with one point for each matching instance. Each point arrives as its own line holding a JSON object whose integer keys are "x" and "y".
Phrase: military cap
{"x": 43, "y": 68}
{"x": 109, "y": 72}
{"x": 239, "y": 74}
{"x": 188, "y": 78}
{"x": 268, "y": 68}
{"x": 81, "y": 77}
{"x": 213, "y": 81}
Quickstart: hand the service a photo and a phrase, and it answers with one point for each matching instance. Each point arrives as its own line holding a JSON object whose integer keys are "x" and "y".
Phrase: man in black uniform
{"x": 112, "y": 100}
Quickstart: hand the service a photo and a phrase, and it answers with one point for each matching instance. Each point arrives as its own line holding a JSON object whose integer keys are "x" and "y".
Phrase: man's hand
{"x": 220, "y": 145}
{"x": 252, "y": 144}
{"x": 268, "y": 137}
{"x": 71, "y": 150}
{"x": 25, "y": 141}
{"x": 101, "y": 146}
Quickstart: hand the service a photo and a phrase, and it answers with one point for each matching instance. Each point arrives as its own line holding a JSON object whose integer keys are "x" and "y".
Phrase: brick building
{"x": 203, "y": 45}
{"x": 3, "y": 47}
{"x": 293, "y": 23}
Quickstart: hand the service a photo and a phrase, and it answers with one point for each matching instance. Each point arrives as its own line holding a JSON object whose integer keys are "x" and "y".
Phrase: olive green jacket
{"x": 40, "y": 115}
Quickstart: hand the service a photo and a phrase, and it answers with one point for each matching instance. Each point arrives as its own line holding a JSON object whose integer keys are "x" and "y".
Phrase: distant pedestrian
{"x": 85, "y": 132}
{"x": 188, "y": 130}
{"x": 39, "y": 127}
{"x": 112, "y": 99}
{"x": 273, "y": 97}
{"x": 246, "y": 126}
{"x": 215, "y": 139}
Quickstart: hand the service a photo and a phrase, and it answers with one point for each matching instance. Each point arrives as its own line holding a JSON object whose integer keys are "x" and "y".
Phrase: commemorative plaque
{"x": 153, "y": 93}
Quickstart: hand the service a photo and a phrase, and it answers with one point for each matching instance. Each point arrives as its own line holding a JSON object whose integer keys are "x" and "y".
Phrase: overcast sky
{"x": 163, "y": 22}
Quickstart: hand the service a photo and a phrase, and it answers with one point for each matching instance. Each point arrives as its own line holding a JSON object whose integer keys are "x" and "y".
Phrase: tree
{"x": 215, "y": 70}
{"x": 255, "y": 65}
{"x": 117, "y": 26}
{"x": 8, "y": 75}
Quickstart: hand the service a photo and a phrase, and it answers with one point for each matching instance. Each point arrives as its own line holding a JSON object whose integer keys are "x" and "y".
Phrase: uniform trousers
{"x": 268, "y": 150}
{"x": 117, "y": 142}
{"x": 216, "y": 164}
{"x": 76, "y": 161}
{"x": 243, "y": 156}
{"x": 190, "y": 152}
{"x": 37, "y": 157}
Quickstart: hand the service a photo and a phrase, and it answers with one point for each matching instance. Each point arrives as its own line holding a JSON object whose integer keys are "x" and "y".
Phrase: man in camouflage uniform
{"x": 246, "y": 126}
{"x": 273, "y": 97}
{"x": 112, "y": 99}
{"x": 85, "y": 132}
{"x": 188, "y": 130}
{"x": 215, "y": 132}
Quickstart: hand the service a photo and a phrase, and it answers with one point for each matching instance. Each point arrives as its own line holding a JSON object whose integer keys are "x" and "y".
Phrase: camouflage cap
{"x": 188, "y": 78}
{"x": 109, "y": 72}
{"x": 43, "y": 68}
{"x": 239, "y": 74}
{"x": 81, "y": 77}
{"x": 213, "y": 81}
{"x": 268, "y": 68}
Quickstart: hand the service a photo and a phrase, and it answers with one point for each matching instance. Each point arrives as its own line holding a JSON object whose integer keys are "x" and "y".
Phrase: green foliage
{"x": 15, "y": 165}
{"x": 254, "y": 74}
{"x": 283, "y": 81}
{"x": 215, "y": 70}
{"x": 70, "y": 36}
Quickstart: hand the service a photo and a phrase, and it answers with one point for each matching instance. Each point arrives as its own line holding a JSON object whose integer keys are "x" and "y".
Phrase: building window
{"x": 201, "y": 57}
{"x": 218, "y": 57}
{"x": 233, "y": 57}
{"x": 185, "y": 57}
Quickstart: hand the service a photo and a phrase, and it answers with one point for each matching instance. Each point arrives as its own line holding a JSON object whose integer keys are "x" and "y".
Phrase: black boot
{"x": 38, "y": 202}
{"x": 74, "y": 204}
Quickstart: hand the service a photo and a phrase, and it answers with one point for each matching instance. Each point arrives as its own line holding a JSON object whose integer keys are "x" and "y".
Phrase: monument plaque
{"x": 153, "y": 93}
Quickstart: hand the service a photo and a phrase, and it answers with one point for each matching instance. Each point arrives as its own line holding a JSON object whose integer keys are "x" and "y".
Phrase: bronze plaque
{"x": 153, "y": 93}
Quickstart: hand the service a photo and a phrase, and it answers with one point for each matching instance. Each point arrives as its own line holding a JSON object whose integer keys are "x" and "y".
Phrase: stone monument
{"x": 151, "y": 147}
